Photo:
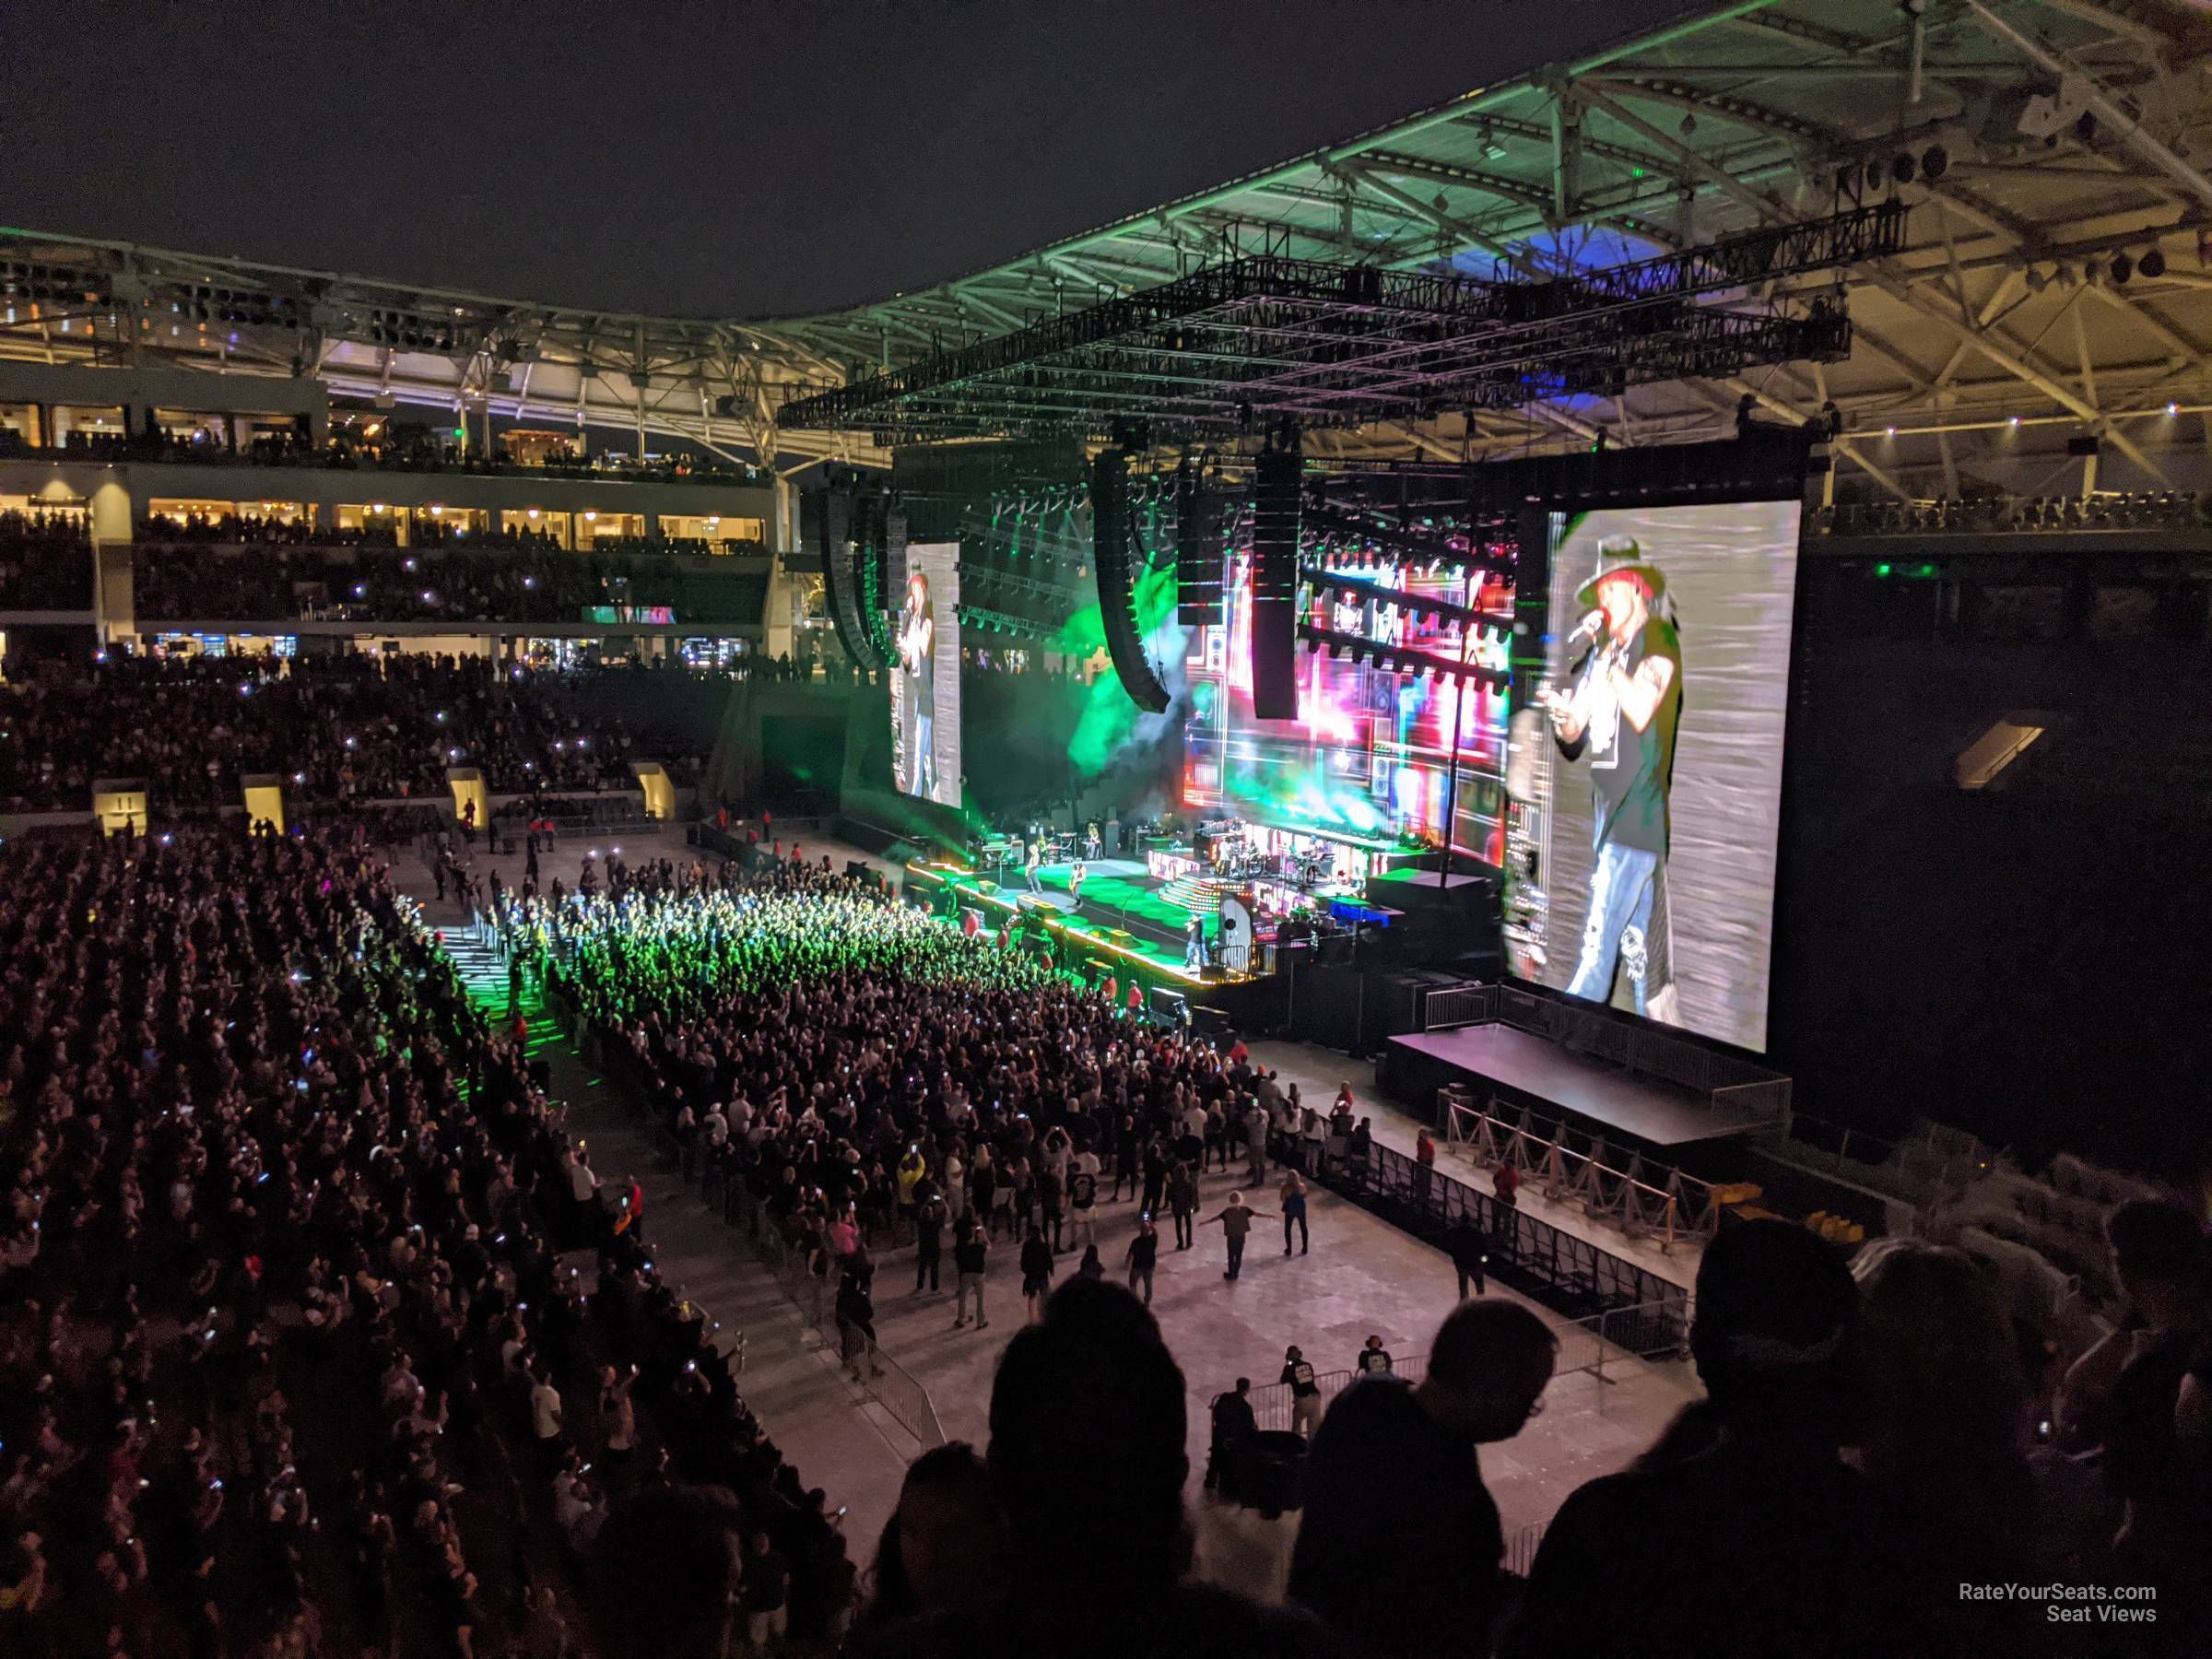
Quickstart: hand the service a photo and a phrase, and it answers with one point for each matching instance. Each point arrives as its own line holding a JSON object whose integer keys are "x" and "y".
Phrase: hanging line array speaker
{"x": 1274, "y": 526}
{"x": 1198, "y": 551}
{"x": 826, "y": 524}
{"x": 1112, "y": 557}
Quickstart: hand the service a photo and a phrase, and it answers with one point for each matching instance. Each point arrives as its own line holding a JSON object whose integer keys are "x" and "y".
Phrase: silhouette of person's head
{"x": 2159, "y": 1256}
{"x": 665, "y": 1572}
{"x": 1775, "y": 1333}
{"x": 1088, "y": 1445}
{"x": 1488, "y": 1368}
{"x": 943, "y": 1547}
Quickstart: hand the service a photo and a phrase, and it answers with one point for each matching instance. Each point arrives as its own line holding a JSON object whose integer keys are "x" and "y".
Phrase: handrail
{"x": 1521, "y": 1546}
{"x": 1547, "y": 1263}
{"x": 1643, "y": 1198}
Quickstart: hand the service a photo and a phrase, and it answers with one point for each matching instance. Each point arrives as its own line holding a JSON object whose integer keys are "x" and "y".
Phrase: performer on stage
{"x": 1032, "y": 855}
{"x": 917, "y": 657}
{"x": 1194, "y": 944}
{"x": 1622, "y": 715}
{"x": 1075, "y": 883}
{"x": 1094, "y": 847}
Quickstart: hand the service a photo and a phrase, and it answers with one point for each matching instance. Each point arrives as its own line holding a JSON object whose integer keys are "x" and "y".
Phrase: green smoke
{"x": 1110, "y": 718}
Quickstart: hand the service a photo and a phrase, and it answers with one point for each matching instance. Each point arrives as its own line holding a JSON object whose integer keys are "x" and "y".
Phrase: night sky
{"x": 725, "y": 159}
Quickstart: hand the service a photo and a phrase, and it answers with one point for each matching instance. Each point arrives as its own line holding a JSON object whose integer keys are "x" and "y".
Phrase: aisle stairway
{"x": 484, "y": 974}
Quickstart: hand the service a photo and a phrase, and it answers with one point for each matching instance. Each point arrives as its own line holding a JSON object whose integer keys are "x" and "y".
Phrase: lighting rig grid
{"x": 984, "y": 620}
{"x": 1337, "y": 530}
{"x": 1397, "y": 659}
{"x": 1323, "y": 580}
{"x": 1265, "y": 339}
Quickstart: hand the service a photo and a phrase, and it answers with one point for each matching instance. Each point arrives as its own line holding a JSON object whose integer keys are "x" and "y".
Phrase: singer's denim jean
{"x": 1621, "y": 888}
{"x": 925, "y": 780}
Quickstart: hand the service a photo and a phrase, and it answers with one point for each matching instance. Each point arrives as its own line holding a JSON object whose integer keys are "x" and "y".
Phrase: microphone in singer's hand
{"x": 1584, "y": 638}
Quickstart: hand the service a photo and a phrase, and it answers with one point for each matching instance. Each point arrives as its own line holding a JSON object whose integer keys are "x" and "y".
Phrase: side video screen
{"x": 1644, "y": 777}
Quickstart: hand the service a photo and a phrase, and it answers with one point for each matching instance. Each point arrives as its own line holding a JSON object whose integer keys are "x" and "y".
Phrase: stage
{"x": 1124, "y": 911}
{"x": 1524, "y": 1069}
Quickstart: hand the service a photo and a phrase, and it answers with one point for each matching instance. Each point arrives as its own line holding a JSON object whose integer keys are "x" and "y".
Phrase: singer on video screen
{"x": 1620, "y": 709}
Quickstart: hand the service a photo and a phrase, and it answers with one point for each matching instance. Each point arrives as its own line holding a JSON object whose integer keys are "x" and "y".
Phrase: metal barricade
{"x": 1545, "y": 1262}
{"x": 897, "y": 1391}
{"x": 1458, "y": 1005}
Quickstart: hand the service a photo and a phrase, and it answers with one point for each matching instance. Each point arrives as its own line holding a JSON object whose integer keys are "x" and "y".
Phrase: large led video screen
{"x": 1645, "y": 773}
{"x": 926, "y": 688}
{"x": 1366, "y": 761}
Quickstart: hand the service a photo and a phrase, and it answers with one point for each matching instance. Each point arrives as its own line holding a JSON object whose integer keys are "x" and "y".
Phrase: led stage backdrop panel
{"x": 1366, "y": 758}
{"x": 1647, "y": 769}
{"x": 926, "y": 688}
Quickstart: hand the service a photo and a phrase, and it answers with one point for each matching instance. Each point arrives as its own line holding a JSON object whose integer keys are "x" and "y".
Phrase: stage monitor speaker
{"x": 1199, "y": 554}
{"x": 1274, "y": 524}
{"x": 858, "y": 870}
{"x": 1114, "y": 555}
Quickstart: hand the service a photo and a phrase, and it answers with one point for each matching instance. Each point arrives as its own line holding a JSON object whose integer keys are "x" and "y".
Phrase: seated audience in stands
{"x": 282, "y": 1266}
{"x": 340, "y": 728}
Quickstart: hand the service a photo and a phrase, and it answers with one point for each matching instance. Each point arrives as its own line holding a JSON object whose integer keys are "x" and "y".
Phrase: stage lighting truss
{"x": 2176, "y": 511}
{"x": 981, "y": 619}
{"x": 1251, "y": 344}
{"x": 1379, "y": 535}
{"x": 1398, "y": 659}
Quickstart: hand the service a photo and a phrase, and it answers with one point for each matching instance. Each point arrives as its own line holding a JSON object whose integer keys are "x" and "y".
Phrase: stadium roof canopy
{"x": 71, "y": 300}
{"x": 2048, "y": 148}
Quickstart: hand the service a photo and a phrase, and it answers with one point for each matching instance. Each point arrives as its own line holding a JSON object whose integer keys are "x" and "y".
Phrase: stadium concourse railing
{"x": 891, "y": 1385}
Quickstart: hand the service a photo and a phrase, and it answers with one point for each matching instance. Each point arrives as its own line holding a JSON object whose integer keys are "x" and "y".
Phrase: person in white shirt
{"x": 545, "y": 1411}
{"x": 583, "y": 1183}
{"x": 1312, "y": 1131}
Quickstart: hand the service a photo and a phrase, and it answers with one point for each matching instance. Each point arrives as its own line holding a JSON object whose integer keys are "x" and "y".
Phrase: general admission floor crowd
{"x": 318, "y": 1338}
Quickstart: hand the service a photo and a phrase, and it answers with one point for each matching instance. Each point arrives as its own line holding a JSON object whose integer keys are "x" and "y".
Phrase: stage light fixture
{"x": 2152, "y": 264}
{"x": 1902, "y": 167}
{"x": 1934, "y": 161}
{"x": 2123, "y": 268}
